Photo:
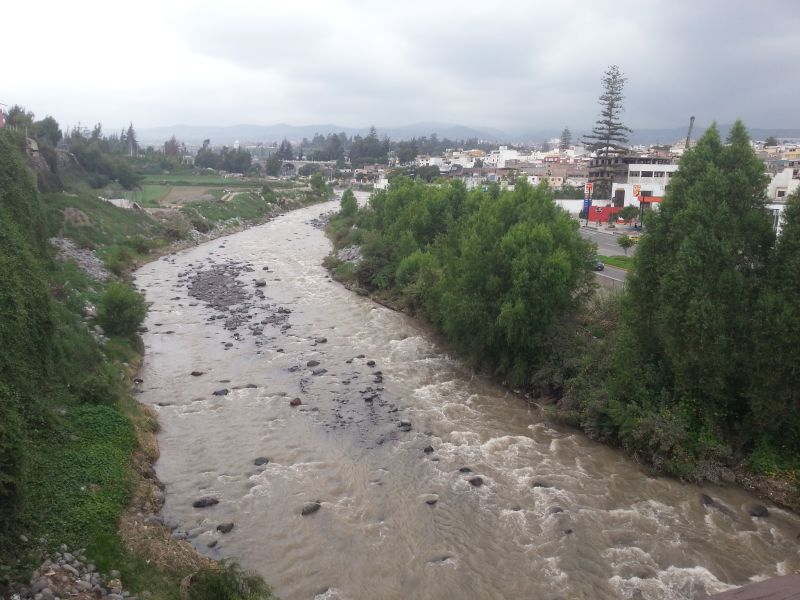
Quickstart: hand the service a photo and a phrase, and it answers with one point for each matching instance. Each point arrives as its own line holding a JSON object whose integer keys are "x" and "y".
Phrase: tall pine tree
{"x": 566, "y": 139}
{"x": 609, "y": 135}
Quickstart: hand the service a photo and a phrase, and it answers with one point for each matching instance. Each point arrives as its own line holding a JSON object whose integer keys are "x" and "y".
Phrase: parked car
{"x": 597, "y": 265}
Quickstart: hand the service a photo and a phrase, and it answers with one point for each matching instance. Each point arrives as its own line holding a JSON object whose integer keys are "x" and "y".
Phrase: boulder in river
{"x": 427, "y": 449}
{"x": 261, "y": 460}
{"x": 476, "y": 481}
{"x": 312, "y": 363}
{"x": 260, "y": 282}
{"x": 196, "y": 373}
{"x": 465, "y": 470}
{"x": 295, "y": 402}
{"x": 758, "y": 511}
{"x": 204, "y": 502}
{"x": 320, "y": 340}
{"x": 222, "y": 392}
{"x": 538, "y": 483}
{"x": 309, "y": 508}
{"x": 225, "y": 527}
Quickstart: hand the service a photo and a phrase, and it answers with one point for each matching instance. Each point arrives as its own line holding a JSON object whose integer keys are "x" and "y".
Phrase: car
{"x": 598, "y": 266}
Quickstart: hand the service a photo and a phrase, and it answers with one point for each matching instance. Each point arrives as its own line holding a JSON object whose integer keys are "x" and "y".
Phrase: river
{"x": 391, "y": 451}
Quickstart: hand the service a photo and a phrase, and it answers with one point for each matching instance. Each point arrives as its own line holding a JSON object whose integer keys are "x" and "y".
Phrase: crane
{"x": 689, "y": 135}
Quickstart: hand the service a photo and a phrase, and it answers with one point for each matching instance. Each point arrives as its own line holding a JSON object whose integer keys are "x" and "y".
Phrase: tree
{"x": 774, "y": 393}
{"x": 628, "y": 212}
{"x": 273, "y": 165}
{"x": 133, "y": 144}
{"x": 172, "y": 146}
{"x": 566, "y": 139}
{"x": 771, "y": 141}
{"x": 348, "y": 205}
{"x": 285, "y": 150}
{"x": 608, "y": 135}
{"x": 318, "y": 185}
{"x": 625, "y": 242}
{"x": 477, "y": 163}
{"x": 692, "y": 293}
{"x": 428, "y": 173}
{"x": 18, "y": 117}
{"x": 47, "y": 130}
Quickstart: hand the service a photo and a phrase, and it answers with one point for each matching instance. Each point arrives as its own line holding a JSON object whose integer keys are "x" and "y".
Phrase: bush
{"x": 121, "y": 310}
{"x": 349, "y": 206}
{"x": 119, "y": 258}
{"x": 102, "y": 387}
{"x": 228, "y": 582}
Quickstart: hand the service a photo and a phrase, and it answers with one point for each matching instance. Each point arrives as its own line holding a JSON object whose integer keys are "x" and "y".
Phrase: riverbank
{"x": 85, "y": 476}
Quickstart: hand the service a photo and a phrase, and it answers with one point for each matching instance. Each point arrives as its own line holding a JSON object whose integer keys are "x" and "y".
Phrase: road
{"x": 606, "y": 242}
{"x": 611, "y": 277}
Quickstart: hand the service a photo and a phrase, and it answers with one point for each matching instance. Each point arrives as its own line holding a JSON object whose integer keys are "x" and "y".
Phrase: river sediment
{"x": 354, "y": 459}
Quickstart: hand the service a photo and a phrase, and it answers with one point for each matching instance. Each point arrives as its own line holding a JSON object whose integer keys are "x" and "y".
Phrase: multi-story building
{"x": 614, "y": 169}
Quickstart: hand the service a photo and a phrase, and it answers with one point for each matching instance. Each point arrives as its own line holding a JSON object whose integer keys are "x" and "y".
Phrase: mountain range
{"x": 193, "y": 135}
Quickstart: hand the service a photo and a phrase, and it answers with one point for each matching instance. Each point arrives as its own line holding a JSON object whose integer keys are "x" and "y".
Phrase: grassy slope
{"x": 77, "y": 475}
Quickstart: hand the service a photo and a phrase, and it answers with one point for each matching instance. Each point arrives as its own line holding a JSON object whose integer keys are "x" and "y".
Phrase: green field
{"x": 187, "y": 178}
{"x": 621, "y": 262}
{"x": 150, "y": 195}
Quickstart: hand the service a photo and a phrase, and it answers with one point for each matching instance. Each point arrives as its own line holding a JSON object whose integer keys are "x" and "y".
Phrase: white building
{"x": 652, "y": 180}
{"x": 782, "y": 185}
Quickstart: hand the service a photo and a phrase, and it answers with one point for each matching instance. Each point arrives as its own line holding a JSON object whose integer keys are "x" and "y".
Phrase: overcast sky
{"x": 512, "y": 65}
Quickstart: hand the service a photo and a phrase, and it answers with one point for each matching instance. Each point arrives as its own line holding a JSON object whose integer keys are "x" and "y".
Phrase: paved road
{"x": 606, "y": 242}
{"x": 611, "y": 277}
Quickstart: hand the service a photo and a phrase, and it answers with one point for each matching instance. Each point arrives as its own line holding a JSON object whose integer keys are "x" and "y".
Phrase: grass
{"x": 101, "y": 223}
{"x": 621, "y": 262}
{"x": 246, "y": 206}
{"x": 188, "y": 178}
{"x": 149, "y": 195}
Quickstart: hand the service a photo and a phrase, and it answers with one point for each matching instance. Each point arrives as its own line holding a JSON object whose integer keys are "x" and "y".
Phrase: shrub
{"x": 119, "y": 258}
{"x": 121, "y": 310}
{"x": 228, "y": 582}
{"x": 349, "y": 206}
{"x": 103, "y": 386}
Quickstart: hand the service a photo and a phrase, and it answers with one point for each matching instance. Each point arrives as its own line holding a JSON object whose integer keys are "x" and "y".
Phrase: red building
{"x": 602, "y": 214}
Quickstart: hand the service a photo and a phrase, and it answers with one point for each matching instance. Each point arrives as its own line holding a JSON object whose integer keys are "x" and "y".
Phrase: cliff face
{"x": 49, "y": 165}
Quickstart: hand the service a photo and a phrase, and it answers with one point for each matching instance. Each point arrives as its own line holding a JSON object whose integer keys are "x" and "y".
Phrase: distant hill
{"x": 660, "y": 136}
{"x": 193, "y": 135}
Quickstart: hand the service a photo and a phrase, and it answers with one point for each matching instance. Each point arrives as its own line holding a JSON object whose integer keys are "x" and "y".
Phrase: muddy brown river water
{"x": 391, "y": 451}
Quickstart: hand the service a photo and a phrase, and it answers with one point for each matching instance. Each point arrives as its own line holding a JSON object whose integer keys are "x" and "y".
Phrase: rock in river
{"x": 225, "y": 527}
{"x": 295, "y": 402}
{"x": 204, "y": 502}
{"x": 261, "y": 460}
{"x": 310, "y": 508}
{"x": 757, "y": 510}
{"x": 222, "y": 392}
{"x": 476, "y": 481}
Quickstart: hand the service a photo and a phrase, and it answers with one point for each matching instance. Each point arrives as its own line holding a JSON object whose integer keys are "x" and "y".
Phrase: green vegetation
{"x": 621, "y": 262}
{"x": 69, "y": 429}
{"x": 121, "y": 310}
{"x": 698, "y": 375}
{"x": 495, "y": 271}
{"x": 691, "y": 369}
{"x": 625, "y": 242}
{"x": 228, "y": 582}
